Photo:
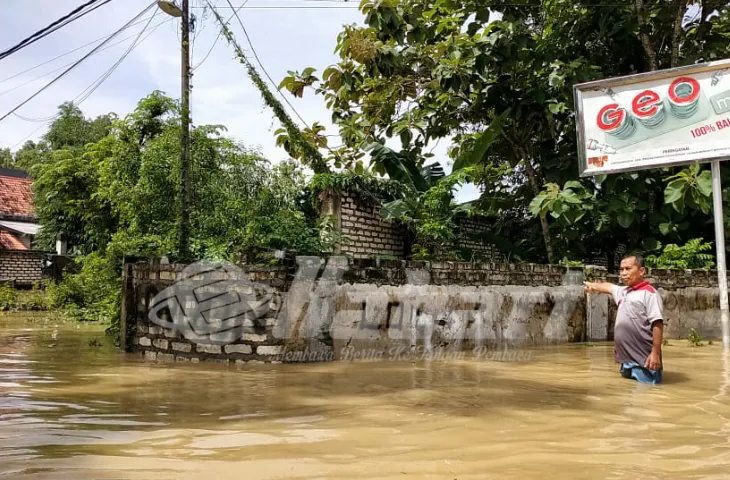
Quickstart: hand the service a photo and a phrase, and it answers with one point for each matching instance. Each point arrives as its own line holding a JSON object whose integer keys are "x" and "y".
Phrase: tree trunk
{"x": 536, "y": 186}
{"x": 676, "y": 35}
{"x": 546, "y": 236}
{"x": 644, "y": 36}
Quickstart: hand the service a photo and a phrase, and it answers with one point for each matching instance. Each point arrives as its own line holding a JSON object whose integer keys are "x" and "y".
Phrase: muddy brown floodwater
{"x": 70, "y": 409}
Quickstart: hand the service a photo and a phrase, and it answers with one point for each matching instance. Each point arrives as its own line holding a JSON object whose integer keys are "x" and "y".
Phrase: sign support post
{"x": 720, "y": 247}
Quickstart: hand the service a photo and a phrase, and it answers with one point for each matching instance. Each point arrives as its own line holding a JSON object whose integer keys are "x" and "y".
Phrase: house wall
{"x": 470, "y": 227}
{"x": 22, "y": 268}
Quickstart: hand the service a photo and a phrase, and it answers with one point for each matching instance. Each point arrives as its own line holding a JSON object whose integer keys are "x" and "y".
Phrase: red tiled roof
{"x": 8, "y": 241}
{"x": 16, "y": 196}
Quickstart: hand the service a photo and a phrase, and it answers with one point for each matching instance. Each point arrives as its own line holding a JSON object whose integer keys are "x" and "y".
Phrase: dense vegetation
{"x": 492, "y": 78}
{"x": 495, "y": 79}
{"x": 109, "y": 186}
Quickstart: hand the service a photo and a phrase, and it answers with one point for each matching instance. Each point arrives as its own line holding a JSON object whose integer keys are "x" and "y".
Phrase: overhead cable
{"x": 74, "y": 15}
{"x": 93, "y": 51}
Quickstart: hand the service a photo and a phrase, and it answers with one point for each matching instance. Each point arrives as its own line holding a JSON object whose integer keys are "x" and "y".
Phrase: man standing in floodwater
{"x": 639, "y": 322}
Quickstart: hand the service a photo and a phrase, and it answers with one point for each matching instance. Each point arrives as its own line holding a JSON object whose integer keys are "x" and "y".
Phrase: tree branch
{"x": 533, "y": 178}
{"x": 644, "y": 36}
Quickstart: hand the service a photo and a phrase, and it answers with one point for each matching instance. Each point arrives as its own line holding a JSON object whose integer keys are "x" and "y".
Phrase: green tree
{"x": 112, "y": 199}
{"x": 6, "y": 158}
{"x": 496, "y": 78}
{"x": 30, "y": 154}
{"x": 690, "y": 255}
{"x": 72, "y": 130}
{"x": 114, "y": 194}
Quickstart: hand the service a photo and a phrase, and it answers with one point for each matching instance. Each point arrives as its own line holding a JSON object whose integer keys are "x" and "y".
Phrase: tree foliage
{"x": 6, "y": 158}
{"x": 690, "y": 255}
{"x": 114, "y": 194}
{"x": 109, "y": 186}
{"x": 496, "y": 78}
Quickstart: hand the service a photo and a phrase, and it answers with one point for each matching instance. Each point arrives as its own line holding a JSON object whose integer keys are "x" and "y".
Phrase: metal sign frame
{"x": 604, "y": 84}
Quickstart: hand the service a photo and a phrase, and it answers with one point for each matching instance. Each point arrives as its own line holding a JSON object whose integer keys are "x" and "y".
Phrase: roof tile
{"x": 8, "y": 241}
{"x": 16, "y": 196}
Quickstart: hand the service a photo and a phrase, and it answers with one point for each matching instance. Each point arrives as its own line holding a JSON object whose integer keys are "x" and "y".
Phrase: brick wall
{"x": 369, "y": 234}
{"x": 467, "y": 229}
{"x": 252, "y": 342}
{"x": 320, "y": 310}
{"x": 21, "y": 267}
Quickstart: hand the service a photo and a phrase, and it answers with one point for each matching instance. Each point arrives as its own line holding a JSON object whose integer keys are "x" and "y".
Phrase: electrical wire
{"x": 219, "y": 36}
{"x": 193, "y": 19}
{"x": 355, "y": 7}
{"x": 29, "y": 135}
{"x": 70, "y": 63}
{"x": 35, "y": 120}
{"x": 295, "y": 7}
{"x": 111, "y": 69}
{"x": 93, "y": 51}
{"x": 69, "y": 53}
{"x": 54, "y": 26}
{"x": 341, "y": 2}
{"x": 258, "y": 60}
{"x": 86, "y": 93}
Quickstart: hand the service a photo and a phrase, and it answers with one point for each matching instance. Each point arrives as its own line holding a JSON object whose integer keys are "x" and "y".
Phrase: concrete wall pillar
{"x": 597, "y": 317}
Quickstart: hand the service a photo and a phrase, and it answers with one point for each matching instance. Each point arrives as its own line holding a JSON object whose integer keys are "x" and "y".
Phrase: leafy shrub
{"x": 8, "y": 297}
{"x": 92, "y": 294}
{"x": 694, "y": 338}
{"x": 12, "y": 299}
{"x": 34, "y": 299}
{"x": 690, "y": 255}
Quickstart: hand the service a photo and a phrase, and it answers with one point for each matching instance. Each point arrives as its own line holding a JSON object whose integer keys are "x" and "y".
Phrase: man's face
{"x": 631, "y": 274}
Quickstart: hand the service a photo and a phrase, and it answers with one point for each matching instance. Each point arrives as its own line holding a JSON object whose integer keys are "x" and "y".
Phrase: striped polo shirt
{"x": 638, "y": 308}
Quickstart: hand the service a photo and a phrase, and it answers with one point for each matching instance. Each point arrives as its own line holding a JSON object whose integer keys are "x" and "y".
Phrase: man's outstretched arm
{"x": 598, "y": 287}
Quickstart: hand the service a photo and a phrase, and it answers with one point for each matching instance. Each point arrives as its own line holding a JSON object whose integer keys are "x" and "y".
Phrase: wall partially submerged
{"x": 322, "y": 310}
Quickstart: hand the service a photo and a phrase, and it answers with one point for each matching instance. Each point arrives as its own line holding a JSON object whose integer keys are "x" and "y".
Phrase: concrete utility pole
{"x": 171, "y": 9}
{"x": 185, "y": 137}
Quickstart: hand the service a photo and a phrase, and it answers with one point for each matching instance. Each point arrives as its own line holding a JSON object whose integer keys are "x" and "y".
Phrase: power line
{"x": 70, "y": 63}
{"x": 69, "y": 53}
{"x": 94, "y": 50}
{"x": 29, "y": 135}
{"x": 86, "y": 93}
{"x": 35, "y": 120}
{"x": 220, "y": 33}
{"x": 58, "y": 24}
{"x": 355, "y": 7}
{"x": 108, "y": 73}
{"x": 258, "y": 60}
{"x": 86, "y": 96}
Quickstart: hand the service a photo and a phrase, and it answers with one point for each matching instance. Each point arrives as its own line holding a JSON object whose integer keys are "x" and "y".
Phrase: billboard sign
{"x": 654, "y": 120}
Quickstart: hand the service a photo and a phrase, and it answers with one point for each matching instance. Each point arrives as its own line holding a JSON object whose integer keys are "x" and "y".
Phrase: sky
{"x": 286, "y": 35}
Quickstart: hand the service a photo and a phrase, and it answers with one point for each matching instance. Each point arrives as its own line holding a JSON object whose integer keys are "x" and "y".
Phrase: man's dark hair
{"x": 638, "y": 258}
